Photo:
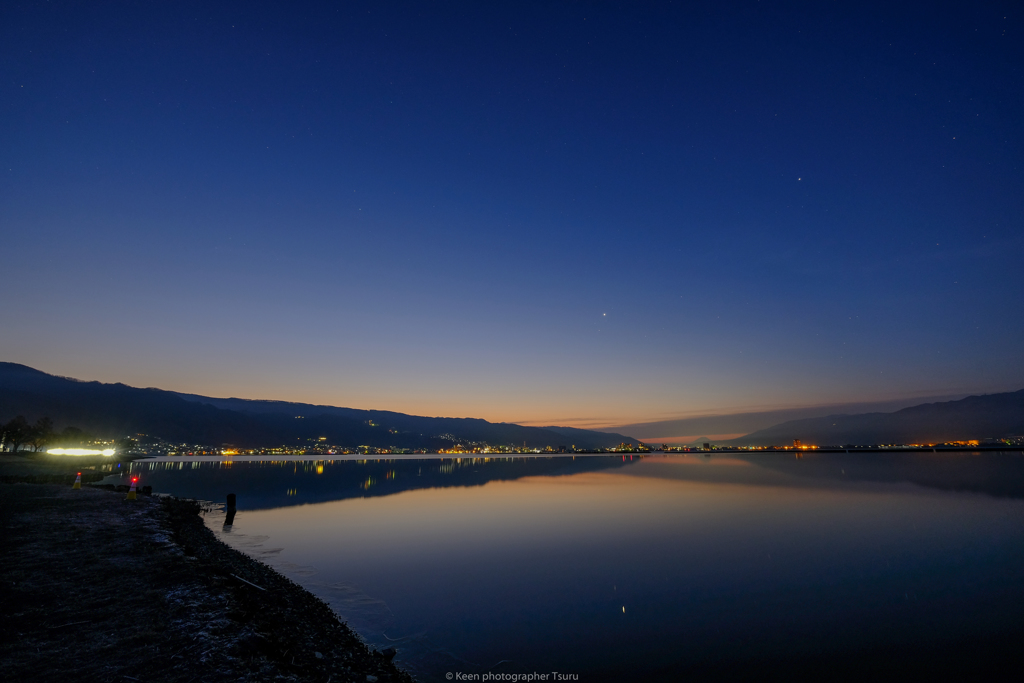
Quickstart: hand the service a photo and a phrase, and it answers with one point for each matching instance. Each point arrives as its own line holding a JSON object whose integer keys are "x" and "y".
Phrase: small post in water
{"x": 230, "y": 519}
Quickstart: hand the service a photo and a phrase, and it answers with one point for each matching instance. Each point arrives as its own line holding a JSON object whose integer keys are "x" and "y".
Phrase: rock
{"x": 389, "y": 653}
{"x": 370, "y": 679}
{"x": 318, "y": 655}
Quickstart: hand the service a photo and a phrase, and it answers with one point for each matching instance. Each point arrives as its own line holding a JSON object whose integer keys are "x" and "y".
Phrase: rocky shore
{"x": 102, "y": 589}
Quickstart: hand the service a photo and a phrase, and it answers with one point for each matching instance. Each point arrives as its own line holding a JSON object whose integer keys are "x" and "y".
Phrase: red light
{"x": 135, "y": 479}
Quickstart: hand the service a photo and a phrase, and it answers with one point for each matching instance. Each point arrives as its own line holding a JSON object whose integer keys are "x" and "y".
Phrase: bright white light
{"x": 79, "y": 451}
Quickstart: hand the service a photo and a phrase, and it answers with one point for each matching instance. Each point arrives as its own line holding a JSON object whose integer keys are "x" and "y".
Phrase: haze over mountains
{"x": 725, "y": 426}
{"x": 116, "y": 410}
{"x": 990, "y": 416}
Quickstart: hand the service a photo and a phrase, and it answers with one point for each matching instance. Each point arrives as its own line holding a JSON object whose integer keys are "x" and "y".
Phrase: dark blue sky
{"x": 586, "y": 213}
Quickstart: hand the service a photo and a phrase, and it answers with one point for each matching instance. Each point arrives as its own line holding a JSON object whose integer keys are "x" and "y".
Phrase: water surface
{"x": 615, "y": 568}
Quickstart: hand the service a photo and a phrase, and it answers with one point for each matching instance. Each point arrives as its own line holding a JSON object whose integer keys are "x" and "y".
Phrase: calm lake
{"x": 612, "y": 568}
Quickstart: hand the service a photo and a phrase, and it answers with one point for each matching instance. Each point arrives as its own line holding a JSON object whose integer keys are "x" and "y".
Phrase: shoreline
{"x": 101, "y": 588}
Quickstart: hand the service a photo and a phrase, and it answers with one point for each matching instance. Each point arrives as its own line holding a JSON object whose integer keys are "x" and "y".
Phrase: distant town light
{"x": 80, "y": 451}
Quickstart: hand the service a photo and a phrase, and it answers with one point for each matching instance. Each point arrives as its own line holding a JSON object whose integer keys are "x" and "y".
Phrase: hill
{"x": 116, "y": 410}
{"x": 992, "y": 416}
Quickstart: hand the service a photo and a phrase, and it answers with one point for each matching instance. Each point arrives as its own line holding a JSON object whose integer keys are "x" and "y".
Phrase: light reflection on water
{"x": 637, "y": 569}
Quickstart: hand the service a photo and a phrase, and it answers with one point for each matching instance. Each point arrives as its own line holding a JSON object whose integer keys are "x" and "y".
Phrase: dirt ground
{"x": 97, "y": 588}
{"x": 42, "y": 468}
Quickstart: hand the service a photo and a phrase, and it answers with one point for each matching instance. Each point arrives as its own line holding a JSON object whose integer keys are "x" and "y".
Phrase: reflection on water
{"x": 297, "y": 481}
{"x": 871, "y": 565}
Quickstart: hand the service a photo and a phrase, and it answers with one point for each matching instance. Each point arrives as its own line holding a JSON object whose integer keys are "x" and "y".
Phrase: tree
{"x": 41, "y": 433}
{"x": 16, "y": 432}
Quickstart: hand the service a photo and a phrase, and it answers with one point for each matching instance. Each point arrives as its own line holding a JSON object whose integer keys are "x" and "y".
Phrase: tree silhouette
{"x": 41, "y": 433}
{"x": 16, "y": 432}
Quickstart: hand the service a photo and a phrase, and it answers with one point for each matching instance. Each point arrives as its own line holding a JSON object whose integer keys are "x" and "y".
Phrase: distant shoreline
{"x": 503, "y": 456}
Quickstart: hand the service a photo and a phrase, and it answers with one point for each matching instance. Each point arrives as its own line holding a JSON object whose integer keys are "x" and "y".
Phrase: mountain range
{"x": 116, "y": 410}
{"x": 990, "y": 416}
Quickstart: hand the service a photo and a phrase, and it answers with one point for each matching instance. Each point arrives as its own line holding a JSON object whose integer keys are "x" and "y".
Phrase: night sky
{"x": 579, "y": 213}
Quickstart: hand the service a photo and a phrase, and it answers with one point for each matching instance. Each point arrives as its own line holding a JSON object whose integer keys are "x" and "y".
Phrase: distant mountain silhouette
{"x": 116, "y": 410}
{"x": 974, "y": 417}
{"x": 575, "y": 435}
{"x": 745, "y": 423}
